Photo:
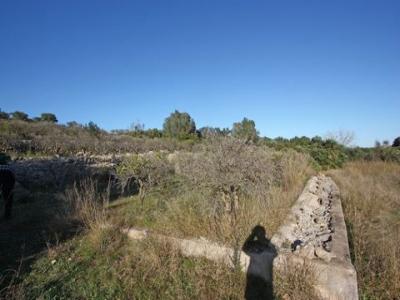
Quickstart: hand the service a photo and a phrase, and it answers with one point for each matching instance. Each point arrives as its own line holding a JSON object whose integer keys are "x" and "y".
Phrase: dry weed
{"x": 371, "y": 202}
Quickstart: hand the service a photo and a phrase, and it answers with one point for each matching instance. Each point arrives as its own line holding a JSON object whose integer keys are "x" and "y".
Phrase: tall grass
{"x": 371, "y": 202}
{"x": 86, "y": 205}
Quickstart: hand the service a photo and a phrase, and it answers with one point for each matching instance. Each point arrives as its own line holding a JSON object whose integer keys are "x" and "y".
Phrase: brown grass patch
{"x": 371, "y": 202}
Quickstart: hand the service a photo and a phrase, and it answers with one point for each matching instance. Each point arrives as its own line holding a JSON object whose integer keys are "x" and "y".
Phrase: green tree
{"x": 48, "y": 117}
{"x": 246, "y": 129}
{"x": 4, "y": 115}
{"x": 93, "y": 128}
{"x": 179, "y": 125}
{"x": 396, "y": 142}
{"x": 19, "y": 115}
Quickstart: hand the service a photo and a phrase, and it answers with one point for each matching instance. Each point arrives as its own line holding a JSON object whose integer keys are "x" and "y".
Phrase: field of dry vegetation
{"x": 218, "y": 190}
{"x": 371, "y": 201}
{"x": 221, "y": 190}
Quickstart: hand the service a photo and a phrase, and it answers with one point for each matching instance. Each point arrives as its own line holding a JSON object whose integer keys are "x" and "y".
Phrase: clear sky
{"x": 294, "y": 67}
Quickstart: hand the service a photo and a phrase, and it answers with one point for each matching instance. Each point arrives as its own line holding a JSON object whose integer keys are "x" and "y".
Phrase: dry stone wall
{"x": 56, "y": 174}
{"x": 315, "y": 233}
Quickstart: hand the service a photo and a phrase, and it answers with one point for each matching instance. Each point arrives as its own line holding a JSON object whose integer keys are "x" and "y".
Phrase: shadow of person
{"x": 259, "y": 277}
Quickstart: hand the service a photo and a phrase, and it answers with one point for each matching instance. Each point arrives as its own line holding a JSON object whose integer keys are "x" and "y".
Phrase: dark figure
{"x": 7, "y": 182}
{"x": 259, "y": 276}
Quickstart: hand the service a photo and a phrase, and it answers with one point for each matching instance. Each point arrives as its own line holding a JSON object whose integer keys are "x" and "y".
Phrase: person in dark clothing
{"x": 7, "y": 182}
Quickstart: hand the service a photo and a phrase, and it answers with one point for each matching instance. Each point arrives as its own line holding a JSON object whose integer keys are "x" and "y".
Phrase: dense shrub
{"x": 325, "y": 153}
{"x": 388, "y": 154}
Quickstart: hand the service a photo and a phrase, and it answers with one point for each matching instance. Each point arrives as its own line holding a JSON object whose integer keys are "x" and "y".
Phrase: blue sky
{"x": 295, "y": 67}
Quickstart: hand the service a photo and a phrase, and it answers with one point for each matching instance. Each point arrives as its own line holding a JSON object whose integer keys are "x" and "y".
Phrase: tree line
{"x": 19, "y": 115}
{"x": 181, "y": 125}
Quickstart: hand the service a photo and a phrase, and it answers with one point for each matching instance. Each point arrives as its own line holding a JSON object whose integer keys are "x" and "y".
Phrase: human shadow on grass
{"x": 259, "y": 277}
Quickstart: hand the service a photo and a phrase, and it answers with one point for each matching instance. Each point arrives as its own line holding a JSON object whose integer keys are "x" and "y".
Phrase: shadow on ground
{"x": 259, "y": 277}
{"x": 36, "y": 225}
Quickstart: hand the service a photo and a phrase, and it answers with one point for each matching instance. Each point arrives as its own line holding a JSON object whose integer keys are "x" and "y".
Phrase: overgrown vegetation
{"x": 21, "y": 135}
{"x": 103, "y": 264}
{"x": 219, "y": 191}
{"x": 219, "y": 185}
{"x": 371, "y": 201}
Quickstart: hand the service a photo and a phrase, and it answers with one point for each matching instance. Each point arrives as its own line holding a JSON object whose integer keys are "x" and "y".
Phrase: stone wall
{"x": 56, "y": 174}
{"x": 315, "y": 233}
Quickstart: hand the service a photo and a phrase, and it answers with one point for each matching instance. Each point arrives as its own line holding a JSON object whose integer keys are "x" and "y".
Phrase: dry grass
{"x": 371, "y": 202}
{"x": 295, "y": 282}
{"x": 86, "y": 205}
{"x": 115, "y": 268}
{"x": 104, "y": 264}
